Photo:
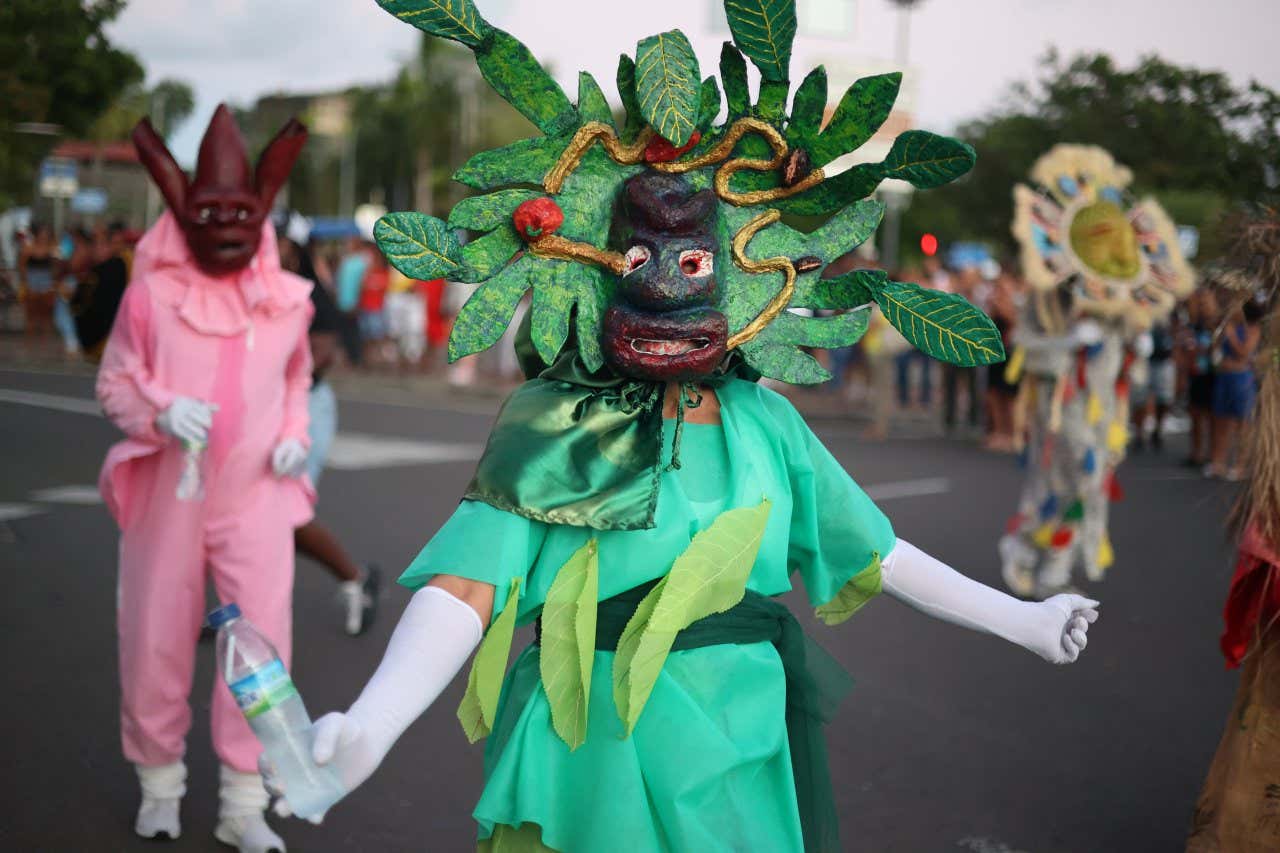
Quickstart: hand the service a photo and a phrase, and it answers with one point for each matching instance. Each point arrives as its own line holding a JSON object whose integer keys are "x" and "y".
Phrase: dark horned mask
{"x": 221, "y": 210}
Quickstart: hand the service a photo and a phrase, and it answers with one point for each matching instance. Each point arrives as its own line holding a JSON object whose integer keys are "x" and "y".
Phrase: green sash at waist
{"x": 816, "y": 684}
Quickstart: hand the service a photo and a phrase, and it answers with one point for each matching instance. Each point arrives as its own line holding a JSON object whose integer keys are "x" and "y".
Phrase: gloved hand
{"x": 1143, "y": 345}
{"x": 288, "y": 457}
{"x": 187, "y": 419}
{"x": 433, "y": 639}
{"x": 1055, "y": 629}
{"x": 1086, "y": 333}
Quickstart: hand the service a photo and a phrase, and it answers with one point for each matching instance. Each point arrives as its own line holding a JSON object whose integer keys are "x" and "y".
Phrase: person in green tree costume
{"x": 642, "y": 499}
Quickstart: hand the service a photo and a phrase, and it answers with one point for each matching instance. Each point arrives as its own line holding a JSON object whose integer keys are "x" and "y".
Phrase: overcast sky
{"x": 963, "y": 53}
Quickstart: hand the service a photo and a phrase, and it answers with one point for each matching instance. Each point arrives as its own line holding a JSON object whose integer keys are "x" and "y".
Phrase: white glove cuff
{"x": 432, "y": 641}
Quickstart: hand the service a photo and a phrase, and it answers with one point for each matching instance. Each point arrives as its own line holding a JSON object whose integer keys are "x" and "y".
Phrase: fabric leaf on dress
{"x": 569, "y": 643}
{"x": 851, "y": 598}
{"x": 480, "y": 703}
{"x": 709, "y": 577}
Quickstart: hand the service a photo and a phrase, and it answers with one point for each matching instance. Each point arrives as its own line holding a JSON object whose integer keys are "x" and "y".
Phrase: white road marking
{"x": 75, "y": 405}
{"x": 84, "y": 495}
{"x": 12, "y": 512}
{"x": 353, "y": 451}
{"x": 908, "y": 488}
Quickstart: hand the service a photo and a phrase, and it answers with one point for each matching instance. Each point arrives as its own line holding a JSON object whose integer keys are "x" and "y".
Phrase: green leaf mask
{"x": 758, "y": 162}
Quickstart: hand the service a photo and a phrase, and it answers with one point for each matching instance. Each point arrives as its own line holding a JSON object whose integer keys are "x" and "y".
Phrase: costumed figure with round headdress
{"x": 642, "y": 499}
{"x": 1101, "y": 267}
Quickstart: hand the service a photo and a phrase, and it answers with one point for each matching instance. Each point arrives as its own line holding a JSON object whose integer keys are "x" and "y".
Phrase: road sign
{"x": 90, "y": 201}
{"x": 59, "y": 178}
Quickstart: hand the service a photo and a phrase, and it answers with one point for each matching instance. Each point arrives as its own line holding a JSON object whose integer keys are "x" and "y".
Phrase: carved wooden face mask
{"x": 221, "y": 210}
{"x": 663, "y": 324}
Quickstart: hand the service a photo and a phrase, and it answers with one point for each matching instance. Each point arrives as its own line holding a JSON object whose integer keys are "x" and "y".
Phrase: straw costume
{"x": 1236, "y": 810}
{"x": 669, "y": 702}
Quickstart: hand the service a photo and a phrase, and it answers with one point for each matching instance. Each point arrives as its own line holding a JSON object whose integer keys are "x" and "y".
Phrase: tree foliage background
{"x": 1193, "y": 139}
{"x": 56, "y": 66}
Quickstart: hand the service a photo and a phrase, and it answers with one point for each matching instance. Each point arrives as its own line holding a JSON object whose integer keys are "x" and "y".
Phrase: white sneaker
{"x": 158, "y": 819}
{"x": 249, "y": 834}
{"x": 162, "y": 790}
{"x": 359, "y": 600}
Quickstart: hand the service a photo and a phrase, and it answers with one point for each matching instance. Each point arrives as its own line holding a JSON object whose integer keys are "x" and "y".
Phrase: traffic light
{"x": 929, "y": 245}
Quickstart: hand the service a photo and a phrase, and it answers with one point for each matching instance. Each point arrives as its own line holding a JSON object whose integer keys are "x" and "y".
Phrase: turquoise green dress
{"x": 707, "y": 766}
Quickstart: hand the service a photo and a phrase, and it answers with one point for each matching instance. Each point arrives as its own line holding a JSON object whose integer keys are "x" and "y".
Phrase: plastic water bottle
{"x": 266, "y": 695}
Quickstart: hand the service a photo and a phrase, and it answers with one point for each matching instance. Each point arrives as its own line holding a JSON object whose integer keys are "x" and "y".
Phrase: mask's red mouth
{"x": 668, "y": 346}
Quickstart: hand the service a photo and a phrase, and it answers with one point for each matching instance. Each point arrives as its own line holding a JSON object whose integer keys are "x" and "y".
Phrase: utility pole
{"x": 897, "y": 199}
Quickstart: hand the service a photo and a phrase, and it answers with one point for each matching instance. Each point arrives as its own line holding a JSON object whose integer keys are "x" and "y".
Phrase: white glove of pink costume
{"x": 288, "y": 457}
{"x": 187, "y": 420}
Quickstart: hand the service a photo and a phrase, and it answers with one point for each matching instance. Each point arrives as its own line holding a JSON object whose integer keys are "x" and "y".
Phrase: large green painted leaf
{"x": 487, "y": 313}
{"x": 927, "y": 160}
{"x": 451, "y": 19}
{"x": 569, "y": 643}
{"x": 487, "y": 212}
{"x": 594, "y": 295}
{"x": 668, "y": 84}
{"x": 516, "y": 75}
{"x": 851, "y": 598}
{"x": 523, "y": 162}
{"x": 733, "y": 76}
{"x": 592, "y": 104}
{"x": 627, "y": 94}
{"x": 709, "y": 577}
{"x": 484, "y": 683}
{"x": 861, "y": 111}
{"x": 764, "y": 30}
{"x": 943, "y": 325}
{"x": 784, "y": 362}
{"x": 420, "y": 246}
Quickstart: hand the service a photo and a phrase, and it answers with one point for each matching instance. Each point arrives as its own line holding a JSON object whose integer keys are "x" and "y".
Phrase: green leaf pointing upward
{"x": 668, "y": 85}
{"x": 764, "y": 29}
{"x": 709, "y": 577}
{"x": 418, "y": 245}
{"x": 944, "y": 325}
{"x": 451, "y": 19}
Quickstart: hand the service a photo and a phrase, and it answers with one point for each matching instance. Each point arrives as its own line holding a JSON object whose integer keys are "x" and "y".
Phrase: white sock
{"x": 162, "y": 790}
{"x": 241, "y": 823}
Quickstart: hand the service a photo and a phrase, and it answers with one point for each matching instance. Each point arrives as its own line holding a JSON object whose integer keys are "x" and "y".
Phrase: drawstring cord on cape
{"x": 636, "y": 396}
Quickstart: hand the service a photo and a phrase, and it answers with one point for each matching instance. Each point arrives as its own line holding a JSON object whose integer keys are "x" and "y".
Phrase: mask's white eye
{"x": 242, "y": 214}
{"x": 696, "y": 263}
{"x": 636, "y": 257}
{"x": 204, "y": 214}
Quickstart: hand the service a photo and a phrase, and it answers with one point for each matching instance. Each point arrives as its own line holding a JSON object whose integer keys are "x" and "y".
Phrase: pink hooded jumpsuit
{"x": 240, "y": 342}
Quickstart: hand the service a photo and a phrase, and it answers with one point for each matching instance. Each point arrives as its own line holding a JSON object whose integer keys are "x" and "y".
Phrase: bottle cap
{"x": 223, "y": 615}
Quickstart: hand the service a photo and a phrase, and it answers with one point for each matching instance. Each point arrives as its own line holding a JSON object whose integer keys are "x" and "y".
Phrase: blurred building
{"x": 109, "y": 184}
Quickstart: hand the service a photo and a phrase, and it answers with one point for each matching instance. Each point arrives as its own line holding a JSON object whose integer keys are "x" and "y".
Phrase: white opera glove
{"x": 1056, "y": 629}
{"x": 288, "y": 457}
{"x": 187, "y": 419}
{"x": 1086, "y": 333}
{"x": 433, "y": 639}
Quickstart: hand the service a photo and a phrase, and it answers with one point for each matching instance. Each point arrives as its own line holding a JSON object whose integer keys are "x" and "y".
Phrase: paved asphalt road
{"x": 951, "y": 741}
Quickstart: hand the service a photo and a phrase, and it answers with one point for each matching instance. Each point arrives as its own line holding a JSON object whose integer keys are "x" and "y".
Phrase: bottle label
{"x": 263, "y": 690}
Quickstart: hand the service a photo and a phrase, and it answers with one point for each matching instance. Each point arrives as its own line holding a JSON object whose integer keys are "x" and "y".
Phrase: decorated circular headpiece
{"x": 654, "y": 245}
{"x": 1081, "y": 229}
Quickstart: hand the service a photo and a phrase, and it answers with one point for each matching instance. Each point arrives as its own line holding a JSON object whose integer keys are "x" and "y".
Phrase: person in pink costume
{"x": 206, "y": 371}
